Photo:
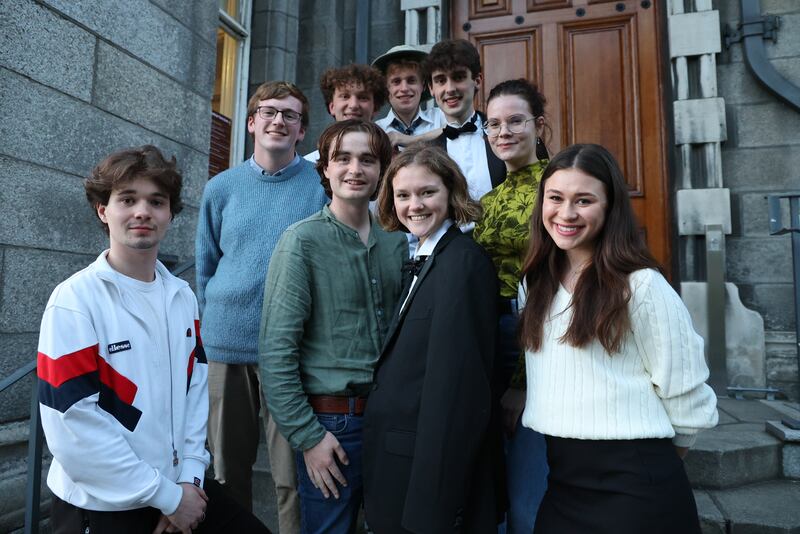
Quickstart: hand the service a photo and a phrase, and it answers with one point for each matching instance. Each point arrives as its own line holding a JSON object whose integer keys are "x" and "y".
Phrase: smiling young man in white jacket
{"x": 122, "y": 372}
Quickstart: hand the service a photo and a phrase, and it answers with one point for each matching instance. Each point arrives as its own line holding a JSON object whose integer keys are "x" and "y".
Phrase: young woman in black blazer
{"x": 428, "y": 453}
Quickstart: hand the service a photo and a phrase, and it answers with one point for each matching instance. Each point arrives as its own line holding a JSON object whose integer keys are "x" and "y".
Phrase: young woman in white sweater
{"x": 616, "y": 373}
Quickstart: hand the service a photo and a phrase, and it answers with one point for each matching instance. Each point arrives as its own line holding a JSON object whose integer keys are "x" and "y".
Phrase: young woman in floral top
{"x": 515, "y": 129}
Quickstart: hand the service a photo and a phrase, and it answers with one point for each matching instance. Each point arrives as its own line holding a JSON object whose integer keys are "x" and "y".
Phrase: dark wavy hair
{"x": 371, "y": 78}
{"x": 331, "y": 138}
{"x": 129, "y": 164}
{"x": 451, "y": 55}
{"x": 461, "y": 208}
{"x": 530, "y": 93}
{"x": 600, "y": 301}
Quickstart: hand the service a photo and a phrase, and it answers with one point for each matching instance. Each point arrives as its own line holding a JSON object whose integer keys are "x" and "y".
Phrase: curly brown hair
{"x": 129, "y": 164}
{"x": 370, "y": 77}
{"x": 461, "y": 208}
{"x": 331, "y": 140}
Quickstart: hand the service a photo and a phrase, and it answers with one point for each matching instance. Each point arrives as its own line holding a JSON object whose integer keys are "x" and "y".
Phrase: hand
{"x": 190, "y": 513}
{"x": 682, "y": 451}
{"x": 513, "y": 403}
{"x": 397, "y": 139}
{"x": 321, "y": 465}
{"x": 164, "y": 525}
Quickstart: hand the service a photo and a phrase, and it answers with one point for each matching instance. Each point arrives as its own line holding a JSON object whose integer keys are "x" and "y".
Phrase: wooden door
{"x": 600, "y": 65}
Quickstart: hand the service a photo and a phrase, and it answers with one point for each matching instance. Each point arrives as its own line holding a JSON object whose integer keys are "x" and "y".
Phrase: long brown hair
{"x": 600, "y": 301}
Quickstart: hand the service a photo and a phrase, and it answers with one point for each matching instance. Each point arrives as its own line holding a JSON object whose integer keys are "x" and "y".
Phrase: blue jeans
{"x": 526, "y": 451}
{"x": 319, "y": 515}
{"x": 526, "y": 476}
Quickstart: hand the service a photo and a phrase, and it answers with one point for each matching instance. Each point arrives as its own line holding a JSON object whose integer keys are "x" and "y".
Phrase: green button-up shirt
{"x": 328, "y": 301}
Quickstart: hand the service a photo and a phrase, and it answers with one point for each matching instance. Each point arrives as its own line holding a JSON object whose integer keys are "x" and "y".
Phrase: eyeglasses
{"x": 269, "y": 113}
{"x": 515, "y": 125}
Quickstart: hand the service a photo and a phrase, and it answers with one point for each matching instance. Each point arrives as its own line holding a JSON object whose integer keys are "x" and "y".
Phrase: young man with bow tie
{"x": 453, "y": 73}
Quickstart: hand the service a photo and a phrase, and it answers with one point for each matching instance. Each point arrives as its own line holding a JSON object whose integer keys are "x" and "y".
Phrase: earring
{"x": 541, "y": 150}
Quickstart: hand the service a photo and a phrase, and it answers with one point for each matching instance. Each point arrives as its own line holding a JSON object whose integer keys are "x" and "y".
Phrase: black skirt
{"x": 616, "y": 487}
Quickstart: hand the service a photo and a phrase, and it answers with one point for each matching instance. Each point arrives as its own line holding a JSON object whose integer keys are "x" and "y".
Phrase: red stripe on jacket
{"x": 122, "y": 386}
{"x": 56, "y": 371}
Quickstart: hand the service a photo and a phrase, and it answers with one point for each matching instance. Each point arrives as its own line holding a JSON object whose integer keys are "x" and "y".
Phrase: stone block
{"x": 698, "y": 208}
{"x": 791, "y": 460}
{"x": 737, "y": 85}
{"x": 150, "y": 34}
{"x": 132, "y": 90}
{"x": 754, "y": 214}
{"x": 744, "y": 333}
{"x": 776, "y": 304}
{"x": 783, "y": 433}
{"x": 699, "y": 120}
{"x": 46, "y": 209}
{"x": 689, "y": 35}
{"x": 29, "y": 276}
{"x": 748, "y": 411}
{"x": 277, "y": 34}
{"x": 15, "y": 351}
{"x": 387, "y": 12}
{"x": 765, "y": 169}
{"x": 752, "y": 260}
{"x": 782, "y": 369}
{"x": 765, "y": 508}
{"x": 774, "y": 123}
{"x": 711, "y": 519}
{"x": 731, "y": 455}
{"x": 82, "y": 136}
{"x": 37, "y": 43}
{"x": 200, "y": 17}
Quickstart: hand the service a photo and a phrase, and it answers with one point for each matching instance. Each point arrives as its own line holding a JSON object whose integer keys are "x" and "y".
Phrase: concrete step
{"x": 771, "y": 507}
{"x": 733, "y": 455}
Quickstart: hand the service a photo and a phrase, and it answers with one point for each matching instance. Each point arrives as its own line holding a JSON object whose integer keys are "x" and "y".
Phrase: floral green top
{"x": 506, "y": 224}
{"x": 504, "y": 231}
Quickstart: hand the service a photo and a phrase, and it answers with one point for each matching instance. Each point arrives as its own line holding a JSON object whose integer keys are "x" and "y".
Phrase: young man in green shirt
{"x": 333, "y": 283}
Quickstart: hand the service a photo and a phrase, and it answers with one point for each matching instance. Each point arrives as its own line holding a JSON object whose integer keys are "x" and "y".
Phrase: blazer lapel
{"x": 452, "y": 232}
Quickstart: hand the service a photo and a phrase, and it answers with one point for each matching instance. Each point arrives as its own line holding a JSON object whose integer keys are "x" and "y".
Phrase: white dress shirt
{"x": 469, "y": 151}
{"x": 424, "y": 121}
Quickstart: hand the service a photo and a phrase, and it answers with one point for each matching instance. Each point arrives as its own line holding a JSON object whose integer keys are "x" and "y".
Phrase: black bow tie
{"x": 413, "y": 267}
{"x": 452, "y": 133}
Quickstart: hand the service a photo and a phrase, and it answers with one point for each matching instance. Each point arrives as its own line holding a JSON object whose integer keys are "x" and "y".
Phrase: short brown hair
{"x": 279, "y": 89}
{"x": 452, "y": 55}
{"x": 462, "y": 209}
{"x": 129, "y": 164}
{"x": 379, "y": 144}
{"x": 370, "y": 77}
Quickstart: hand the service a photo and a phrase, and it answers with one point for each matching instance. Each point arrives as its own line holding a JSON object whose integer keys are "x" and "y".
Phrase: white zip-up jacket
{"x": 114, "y": 407}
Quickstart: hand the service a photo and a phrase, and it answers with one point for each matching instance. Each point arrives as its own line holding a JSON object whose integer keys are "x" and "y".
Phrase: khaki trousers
{"x": 236, "y": 409}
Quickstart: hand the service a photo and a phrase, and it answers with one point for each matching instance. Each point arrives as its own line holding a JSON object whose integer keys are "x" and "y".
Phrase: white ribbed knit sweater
{"x": 653, "y": 388}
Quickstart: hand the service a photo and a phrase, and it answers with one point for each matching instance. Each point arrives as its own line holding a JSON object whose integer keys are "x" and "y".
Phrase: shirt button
{"x": 379, "y": 312}
{"x": 374, "y": 281}
{"x": 375, "y": 386}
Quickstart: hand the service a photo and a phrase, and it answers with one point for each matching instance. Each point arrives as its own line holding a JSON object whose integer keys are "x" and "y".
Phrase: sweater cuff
{"x": 684, "y": 440}
{"x": 167, "y": 496}
{"x": 192, "y": 469}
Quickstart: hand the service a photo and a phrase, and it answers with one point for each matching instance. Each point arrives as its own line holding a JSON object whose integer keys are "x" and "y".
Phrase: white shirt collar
{"x": 427, "y": 246}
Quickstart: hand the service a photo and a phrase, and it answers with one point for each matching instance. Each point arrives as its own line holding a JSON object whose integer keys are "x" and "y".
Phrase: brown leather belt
{"x": 337, "y": 405}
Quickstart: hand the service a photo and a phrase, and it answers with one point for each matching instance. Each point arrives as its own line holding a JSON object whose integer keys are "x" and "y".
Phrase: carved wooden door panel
{"x": 600, "y": 64}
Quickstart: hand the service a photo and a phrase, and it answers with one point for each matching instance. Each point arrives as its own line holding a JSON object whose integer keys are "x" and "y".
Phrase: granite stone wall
{"x": 79, "y": 80}
{"x": 762, "y": 157}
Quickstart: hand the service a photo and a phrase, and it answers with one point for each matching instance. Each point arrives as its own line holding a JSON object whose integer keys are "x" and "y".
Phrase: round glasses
{"x": 268, "y": 113}
{"x": 515, "y": 125}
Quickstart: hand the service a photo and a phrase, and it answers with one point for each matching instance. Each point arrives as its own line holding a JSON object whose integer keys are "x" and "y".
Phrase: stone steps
{"x": 770, "y": 507}
{"x": 740, "y": 471}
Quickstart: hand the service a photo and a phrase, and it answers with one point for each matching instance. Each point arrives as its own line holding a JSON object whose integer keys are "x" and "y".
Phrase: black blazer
{"x": 497, "y": 169}
{"x": 428, "y": 454}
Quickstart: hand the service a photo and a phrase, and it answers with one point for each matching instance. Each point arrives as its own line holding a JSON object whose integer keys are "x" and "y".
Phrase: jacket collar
{"x": 172, "y": 284}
